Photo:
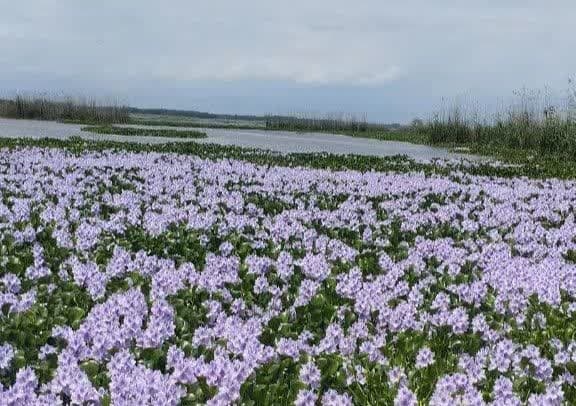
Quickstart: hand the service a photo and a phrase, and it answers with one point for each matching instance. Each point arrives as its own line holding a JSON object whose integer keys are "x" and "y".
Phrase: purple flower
{"x": 46, "y": 350}
{"x": 6, "y": 355}
{"x": 405, "y": 397}
{"x": 306, "y": 398}
{"x": 131, "y": 383}
{"x": 310, "y": 375}
{"x": 333, "y": 398}
{"x": 315, "y": 266}
{"x": 11, "y": 283}
{"x": 424, "y": 358}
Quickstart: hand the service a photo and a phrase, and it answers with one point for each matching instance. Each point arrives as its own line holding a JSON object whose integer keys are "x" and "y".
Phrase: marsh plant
{"x": 145, "y": 132}
{"x": 155, "y": 278}
{"x": 67, "y": 108}
{"x": 572, "y": 98}
{"x": 318, "y": 122}
{"x": 533, "y": 121}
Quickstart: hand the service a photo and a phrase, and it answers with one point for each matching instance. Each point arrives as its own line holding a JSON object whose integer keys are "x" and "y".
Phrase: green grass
{"x": 149, "y": 132}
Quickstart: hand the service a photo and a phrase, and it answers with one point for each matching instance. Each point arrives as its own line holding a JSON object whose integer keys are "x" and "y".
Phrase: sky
{"x": 391, "y": 60}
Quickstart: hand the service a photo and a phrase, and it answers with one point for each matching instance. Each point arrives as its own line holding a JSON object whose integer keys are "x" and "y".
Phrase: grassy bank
{"x": 530, "y": 125}
{"x": 549, "y": 136}
{"x": 63, "y": 109}
{"x": 151, "y": 132}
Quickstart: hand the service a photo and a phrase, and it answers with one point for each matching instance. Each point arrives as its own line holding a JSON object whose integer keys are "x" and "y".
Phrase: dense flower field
{"x": 147, "y": 278}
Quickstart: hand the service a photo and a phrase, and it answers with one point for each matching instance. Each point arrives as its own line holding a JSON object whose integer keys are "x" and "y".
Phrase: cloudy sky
{"x": 392, "y": 60}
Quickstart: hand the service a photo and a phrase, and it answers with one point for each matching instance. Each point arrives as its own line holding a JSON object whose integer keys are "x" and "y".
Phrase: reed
{"x": 531, "y": 122}
{"x": 76, "y": 109}
{"x": 335, "y": 122}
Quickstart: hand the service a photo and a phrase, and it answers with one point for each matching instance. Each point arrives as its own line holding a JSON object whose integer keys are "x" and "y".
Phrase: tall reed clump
{"x": 63, "y": 109}
{"x": 533, "y": 122}
{"x": 337, "y": 122}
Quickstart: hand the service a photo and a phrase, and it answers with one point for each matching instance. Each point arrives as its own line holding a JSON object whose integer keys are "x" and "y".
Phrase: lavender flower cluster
{"x": 162, "y": 279}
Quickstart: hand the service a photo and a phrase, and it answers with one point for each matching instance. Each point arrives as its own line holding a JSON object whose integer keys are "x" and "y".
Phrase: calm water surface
{"x": 281, "y": 141}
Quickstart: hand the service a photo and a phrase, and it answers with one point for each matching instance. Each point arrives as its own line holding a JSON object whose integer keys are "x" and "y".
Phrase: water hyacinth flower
{"x": 46, "y": 350}
{"x": 175, "y": 272}
{"x": 6, "y": 355}
{"x": 226, "y": 248}
{"x": 307, "y": 290}
{"x": 315, "y": 267}
{"x": 396, "y": 376}
{"x": 424, "y": 358}
{"x": 131, "y": 383}
{"x": 24, "y": 391}
{"x": 306, "y": 398}
{"x": 405, "y": 397}
{"x": 310, "y": 375}
{"x": 71, "y": 380}
{"x": 11, "y": 283}
{"x": 333, "y": 398}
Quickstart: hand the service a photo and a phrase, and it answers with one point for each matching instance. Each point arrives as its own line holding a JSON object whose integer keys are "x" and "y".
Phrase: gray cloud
{"x": 430, "y": 49}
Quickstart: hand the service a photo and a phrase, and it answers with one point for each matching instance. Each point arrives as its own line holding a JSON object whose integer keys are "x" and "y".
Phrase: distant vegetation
{"x": 340, "y": 123}
{"x": 142, "y": 119}
{"x": 532, "y": 122}
{"x": 315, "y": 122}
{"x": 63, "y": 109}
{"x": 195, "y": 114}
{"x": 152, "y": 132}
